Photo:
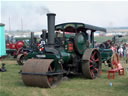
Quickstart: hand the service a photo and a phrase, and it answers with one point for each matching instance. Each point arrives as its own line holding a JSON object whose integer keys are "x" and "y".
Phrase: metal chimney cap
{"x": 51, "y": 14}
{"x": 1, "y": 24}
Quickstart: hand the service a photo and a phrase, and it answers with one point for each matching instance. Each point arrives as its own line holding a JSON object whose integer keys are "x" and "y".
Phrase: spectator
{"x": 120, "y": 51}
{"x": 126, "y": 53}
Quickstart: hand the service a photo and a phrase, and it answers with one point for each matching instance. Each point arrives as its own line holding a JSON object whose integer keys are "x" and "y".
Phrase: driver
{"x": 59, "y": 33}
{"x": 59, "y": 37}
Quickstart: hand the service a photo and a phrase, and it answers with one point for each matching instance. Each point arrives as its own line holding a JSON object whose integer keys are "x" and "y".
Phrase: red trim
{"x": 96, "y": 69}
{"x": 91, "y": 65}
{"x": 97, "y": 59}
{"x": 94, "y": 54}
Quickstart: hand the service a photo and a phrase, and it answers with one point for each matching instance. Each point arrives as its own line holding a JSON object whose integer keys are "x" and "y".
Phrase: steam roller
{"x": 66, "y": 48}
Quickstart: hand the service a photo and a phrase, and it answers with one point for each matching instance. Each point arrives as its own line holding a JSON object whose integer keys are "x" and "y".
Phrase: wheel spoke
{"x": 94, "y": 54}
{"x": 91, "y": 65}
{"x": 97, "y": 60}
{"x": 91, "y": 61}
{"x": 92, "y": 57}
{"x": 96, "y": 69}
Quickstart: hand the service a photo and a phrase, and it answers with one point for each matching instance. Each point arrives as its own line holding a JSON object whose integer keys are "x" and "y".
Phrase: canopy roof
{"x": 76, "y": 27}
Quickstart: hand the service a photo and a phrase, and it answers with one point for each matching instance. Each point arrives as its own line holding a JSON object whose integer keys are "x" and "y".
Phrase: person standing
{"x": 120, "y": 50}
{"x": 126, "y": 53}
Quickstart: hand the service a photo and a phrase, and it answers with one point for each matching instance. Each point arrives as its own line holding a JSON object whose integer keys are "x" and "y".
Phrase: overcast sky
{"x": 33, "y": 14}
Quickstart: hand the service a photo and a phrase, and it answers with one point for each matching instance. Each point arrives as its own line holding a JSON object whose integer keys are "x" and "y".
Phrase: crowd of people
{"x": 121, "y": 48}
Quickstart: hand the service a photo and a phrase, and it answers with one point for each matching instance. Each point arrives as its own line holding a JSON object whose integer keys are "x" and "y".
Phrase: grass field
{"x": 11, "y": 84}
{"x": 105, "y": 38}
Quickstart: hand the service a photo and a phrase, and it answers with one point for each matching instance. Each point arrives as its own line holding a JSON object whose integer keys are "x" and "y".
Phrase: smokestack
{"x": 43, "y": 36}
{"x": 32, "y": 39}
{"x": 51, "y": 28}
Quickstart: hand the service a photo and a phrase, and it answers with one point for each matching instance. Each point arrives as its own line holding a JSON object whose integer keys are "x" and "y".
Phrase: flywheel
{"x": 80, "y": 43}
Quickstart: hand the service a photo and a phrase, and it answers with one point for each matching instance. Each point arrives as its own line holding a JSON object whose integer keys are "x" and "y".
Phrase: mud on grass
{"x": 11, "y": 84}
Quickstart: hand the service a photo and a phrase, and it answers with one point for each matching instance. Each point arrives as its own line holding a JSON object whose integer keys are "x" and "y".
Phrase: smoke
{"x": 31, "y": 16}
{"x": 43, "y": 10}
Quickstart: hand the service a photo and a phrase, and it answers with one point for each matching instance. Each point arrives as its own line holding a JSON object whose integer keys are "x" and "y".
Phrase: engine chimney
{"x": 51, "y": 28}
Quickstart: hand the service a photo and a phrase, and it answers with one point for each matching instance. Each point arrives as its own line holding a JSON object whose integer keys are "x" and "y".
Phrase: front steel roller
{"x": 35, "y": 73}
{"x": 91, "y": 65}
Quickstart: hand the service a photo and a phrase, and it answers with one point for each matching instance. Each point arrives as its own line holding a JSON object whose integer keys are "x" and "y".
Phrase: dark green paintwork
{"x": 106, "y": 54}
{"x": 66, "y": 55}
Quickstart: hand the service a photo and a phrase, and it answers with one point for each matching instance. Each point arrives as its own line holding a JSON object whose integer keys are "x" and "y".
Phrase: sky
{"x": 31, "y": 15}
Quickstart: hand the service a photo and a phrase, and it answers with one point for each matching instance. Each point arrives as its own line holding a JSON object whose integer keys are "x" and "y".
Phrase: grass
{"x": 101, "y": 39}
{"x": 11, "y": 84}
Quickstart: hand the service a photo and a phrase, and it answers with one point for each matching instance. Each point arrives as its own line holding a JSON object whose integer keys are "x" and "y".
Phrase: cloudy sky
{"x": 32, "y": 14}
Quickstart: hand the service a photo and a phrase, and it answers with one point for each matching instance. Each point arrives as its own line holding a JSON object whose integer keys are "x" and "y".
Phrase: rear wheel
{"x": 91, "y": 65}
